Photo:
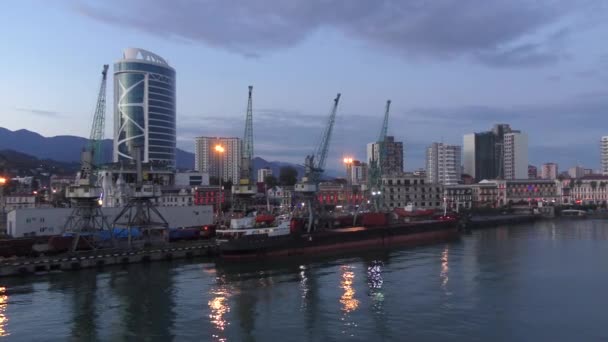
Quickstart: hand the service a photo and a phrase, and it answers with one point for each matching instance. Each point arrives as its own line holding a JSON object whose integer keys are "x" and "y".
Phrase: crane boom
{"x": 247, "y": 151}
{"x": 323, "y": 147}
{"x": 315, "y": 163}
{"x": 375, "y": 166}
{"x": 99, "y": 120}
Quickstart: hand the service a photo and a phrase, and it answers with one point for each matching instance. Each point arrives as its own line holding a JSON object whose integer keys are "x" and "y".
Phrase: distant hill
{"x": 65, "y": 148}
{"x": 17, "y": 163}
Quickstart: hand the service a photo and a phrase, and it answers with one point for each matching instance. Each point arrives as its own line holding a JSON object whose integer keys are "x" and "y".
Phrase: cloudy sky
{"x": 450, "y": 67}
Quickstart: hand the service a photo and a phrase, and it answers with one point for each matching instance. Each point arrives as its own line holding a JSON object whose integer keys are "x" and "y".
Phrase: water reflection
{"x": 444, "y": 268}
{"x": 375, "y": 281}
{"x": 348, "y": 300}
{"x": 219, "y": 309}
{"x": 3, "y": 305}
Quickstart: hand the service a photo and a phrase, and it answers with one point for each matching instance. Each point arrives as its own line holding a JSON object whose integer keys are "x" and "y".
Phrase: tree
{"x": 271, "y": 181}
{"x": 602, "y": 185}
{"x": 288, "y": 176}
{"x": 593, "y": 184}
{"x": 579, "y": 182}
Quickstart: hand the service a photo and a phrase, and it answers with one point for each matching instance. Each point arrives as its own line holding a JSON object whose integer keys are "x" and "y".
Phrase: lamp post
{"x": 349, "y": 163}
{"x": 220, "y": 150}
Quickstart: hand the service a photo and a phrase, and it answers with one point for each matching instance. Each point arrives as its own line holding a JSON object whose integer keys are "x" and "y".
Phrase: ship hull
{"x": 340, "y": 240}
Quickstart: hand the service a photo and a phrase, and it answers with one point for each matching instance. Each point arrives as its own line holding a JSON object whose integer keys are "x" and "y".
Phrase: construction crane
{"x": 375, "y": 165}
{"x": 99, "y": 120}
{"x": 245, "y": 189}
{"x": 86, "y": 219}
{"x": 314, "y": 165}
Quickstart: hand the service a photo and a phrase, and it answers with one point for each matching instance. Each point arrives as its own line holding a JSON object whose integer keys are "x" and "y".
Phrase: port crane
{"x": 86, "y": 218}
{"x": 314, "y": 164}
{"x": 245, "y": 189}
{"x": 99, "y": 120}
{"x": 376, "y": 165}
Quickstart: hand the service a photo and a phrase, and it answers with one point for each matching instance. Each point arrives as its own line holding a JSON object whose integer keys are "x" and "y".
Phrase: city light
{"x": 2, "y": 180}
{"x": 219, "y": 148}
{"x": 348, "y": 160}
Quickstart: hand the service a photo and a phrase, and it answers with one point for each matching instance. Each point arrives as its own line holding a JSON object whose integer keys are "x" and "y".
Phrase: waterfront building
{"x": 281, "y": 196}
{"x": 392, "y": 162}
{"x": 532, "y": 172}
{"x": 336, "y": 193}
{"x": 144, "y": 108}
{"x": 208, "y": 160}
{"x": 263, "y": 173}
{"x": 515, "y": 155}
{"x": 549, "y": 171}
{"x": 400, "y": 190}
{"x": 592, "y": 189}
{"x": 443, "y": 164}
{"x": 458, "y": 197}
{"x": 531, "y": 191}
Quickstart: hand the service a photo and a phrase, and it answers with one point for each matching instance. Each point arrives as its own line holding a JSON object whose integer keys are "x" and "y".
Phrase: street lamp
{"x": 220, "y": 150}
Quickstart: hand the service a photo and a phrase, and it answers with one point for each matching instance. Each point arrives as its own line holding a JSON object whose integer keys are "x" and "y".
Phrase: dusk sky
{"x": 450, "y": 67}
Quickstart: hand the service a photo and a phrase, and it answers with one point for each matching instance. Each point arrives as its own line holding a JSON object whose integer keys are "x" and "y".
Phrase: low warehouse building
{"x": 51, "y": 221}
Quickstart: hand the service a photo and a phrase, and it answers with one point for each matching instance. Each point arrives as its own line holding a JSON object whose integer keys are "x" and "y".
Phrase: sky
{"x": 450, "y": 67}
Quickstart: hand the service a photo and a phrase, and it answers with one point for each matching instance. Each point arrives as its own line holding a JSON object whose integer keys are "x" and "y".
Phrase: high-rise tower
{"x": 144, "y": 107}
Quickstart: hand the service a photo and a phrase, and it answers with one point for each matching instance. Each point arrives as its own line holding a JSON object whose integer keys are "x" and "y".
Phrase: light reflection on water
{"x": 3, "y": 317}
{"x": 489, "y": 285}
{"x": 445, "y": 268}
{"x": 218, "y": 304}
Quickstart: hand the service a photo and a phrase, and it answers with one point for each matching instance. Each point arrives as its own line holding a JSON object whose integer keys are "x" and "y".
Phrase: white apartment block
{"x": 604, "y": 151}
{"x": 207, "y": 159}
{"x": 400, "y": 190}
{"x": 443, "y": 164}
{"x": 515, "y": 155}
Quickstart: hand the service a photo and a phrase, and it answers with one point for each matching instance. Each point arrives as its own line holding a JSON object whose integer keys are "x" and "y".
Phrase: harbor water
{"x": 536, "y": 282}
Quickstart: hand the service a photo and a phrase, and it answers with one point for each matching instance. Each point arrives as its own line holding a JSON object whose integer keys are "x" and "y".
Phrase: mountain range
{"x": 67, "y": 148}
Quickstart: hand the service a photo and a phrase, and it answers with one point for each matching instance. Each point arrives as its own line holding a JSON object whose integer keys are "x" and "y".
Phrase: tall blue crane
{"x": 375, "y": 167}
{"x": 314, "y": 164}
{"x": 247, "y": 152}
{"x": 99, "y": 120}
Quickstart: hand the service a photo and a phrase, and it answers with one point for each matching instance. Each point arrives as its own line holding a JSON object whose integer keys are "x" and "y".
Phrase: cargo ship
{"x": 287, "y": 237}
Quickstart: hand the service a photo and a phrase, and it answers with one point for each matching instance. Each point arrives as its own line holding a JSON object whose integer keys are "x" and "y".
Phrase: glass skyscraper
{"x": 144, "y": 108}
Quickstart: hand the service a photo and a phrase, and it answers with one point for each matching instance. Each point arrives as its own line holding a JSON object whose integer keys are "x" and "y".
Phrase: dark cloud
{"x": 39, "y": 112}
{"x": 494, "y": 32}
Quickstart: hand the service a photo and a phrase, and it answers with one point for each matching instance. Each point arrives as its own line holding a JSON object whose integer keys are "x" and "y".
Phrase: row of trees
{"x": 593, "y": 184}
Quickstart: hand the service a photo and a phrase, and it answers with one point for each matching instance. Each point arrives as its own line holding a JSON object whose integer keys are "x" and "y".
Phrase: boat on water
{"x": 287, "y": 236}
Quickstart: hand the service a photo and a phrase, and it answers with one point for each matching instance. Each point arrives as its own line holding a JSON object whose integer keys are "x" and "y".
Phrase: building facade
{"x": 549, "y": 171}
{"x": 392, "y": 162}
{"x": 208, "y": 160}
{"x": 484, "y": 154}
{"x": 191, "y": 179}
{"x": 401, "y": 190}
{"x": 604, "y": 154}
{"x": 263, "y": 173}
{"x": 515, "y": 155}
{"x": 443, "y": 164}
{"x": 589, "y": 190}
{"x": 532, "y": 172}
{"x": 357, "y": 173}
{"x": 144, "y": 108}
{"x": 458, "y": 197}
{"x": 576, "y": 172}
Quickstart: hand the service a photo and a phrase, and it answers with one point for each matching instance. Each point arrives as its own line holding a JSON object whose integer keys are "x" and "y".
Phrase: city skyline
{"x": 542, "y": 74}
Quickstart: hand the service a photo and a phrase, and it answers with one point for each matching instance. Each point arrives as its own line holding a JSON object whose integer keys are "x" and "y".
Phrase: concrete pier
{"x": 100, "y": 259}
